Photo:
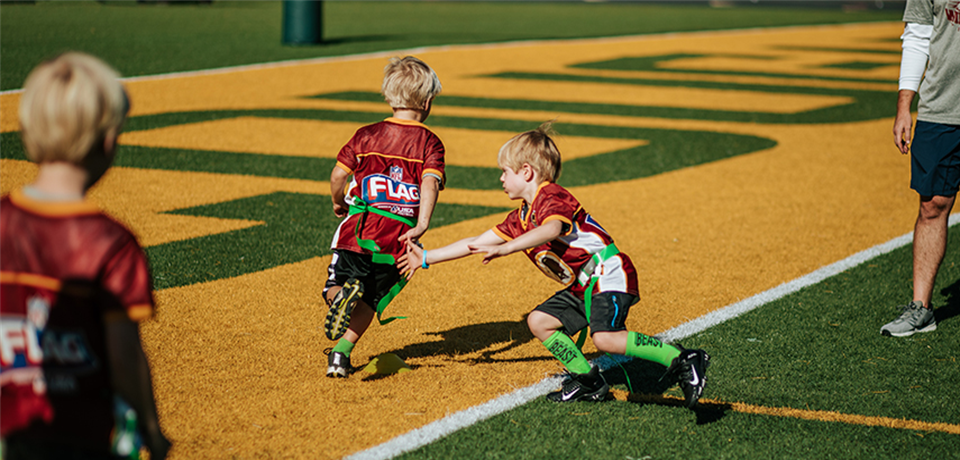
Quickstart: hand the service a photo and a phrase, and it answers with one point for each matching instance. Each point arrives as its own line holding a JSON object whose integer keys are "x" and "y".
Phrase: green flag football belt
{"x": 359, "y": 207}
{"x": 589, "y": 276}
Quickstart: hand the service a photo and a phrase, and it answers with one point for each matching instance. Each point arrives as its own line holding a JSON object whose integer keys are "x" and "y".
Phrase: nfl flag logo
{"x": 396, "y": 173}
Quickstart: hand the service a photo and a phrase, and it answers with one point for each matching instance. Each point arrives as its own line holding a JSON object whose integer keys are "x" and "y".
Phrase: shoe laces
{"x": 910, "y": 311}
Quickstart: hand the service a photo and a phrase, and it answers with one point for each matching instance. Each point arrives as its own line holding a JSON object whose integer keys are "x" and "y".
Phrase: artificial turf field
{"x": 724, "y": 162}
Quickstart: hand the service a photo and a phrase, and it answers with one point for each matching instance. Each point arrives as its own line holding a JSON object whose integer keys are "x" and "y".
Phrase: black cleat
{"x": 338, "y": 318}
{"x": 690, "y": 368}
{"x": 338, "y": 365}
{"x": 582, "y": 387}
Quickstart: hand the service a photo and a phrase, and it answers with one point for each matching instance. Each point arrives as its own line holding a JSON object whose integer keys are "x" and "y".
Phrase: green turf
{"x": 817, "y": 349}
{"x": 145, "y": 39}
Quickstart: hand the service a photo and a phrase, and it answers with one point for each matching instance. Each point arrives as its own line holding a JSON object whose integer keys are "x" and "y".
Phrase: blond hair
{"x": 68, "y": 105}
{"x": 535, "y": 148}
{"x": 409, "y": 83}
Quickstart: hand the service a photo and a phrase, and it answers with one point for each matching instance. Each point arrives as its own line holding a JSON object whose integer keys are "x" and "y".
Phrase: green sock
{"x": 650, "y": 349}
{"x": 563, "y": 348}
{"x": 343, "y": 346}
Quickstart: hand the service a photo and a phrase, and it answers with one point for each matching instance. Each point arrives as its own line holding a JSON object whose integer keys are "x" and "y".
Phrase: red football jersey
{"x": 388, "y": 161}
{"x": 63, "y": 265}
{"x": 564, "y": 258}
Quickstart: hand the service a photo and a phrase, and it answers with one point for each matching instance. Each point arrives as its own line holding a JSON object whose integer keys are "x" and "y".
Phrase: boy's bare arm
{"x": 413, "y": 259}
{"x": 540, "y": 235}
{"x": 429, "y": 190}
{"x": 338, "y": 184}
{"x": 130, "y": 376}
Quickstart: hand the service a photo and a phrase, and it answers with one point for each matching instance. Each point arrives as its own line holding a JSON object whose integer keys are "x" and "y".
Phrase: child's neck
{"x": 410, "y": 114}
{"x": 62, "y": 181}
{"x": 530, "y": 191}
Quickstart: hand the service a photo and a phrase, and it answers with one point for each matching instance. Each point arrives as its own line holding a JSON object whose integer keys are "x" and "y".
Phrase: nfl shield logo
{"x": 396, "y": 173}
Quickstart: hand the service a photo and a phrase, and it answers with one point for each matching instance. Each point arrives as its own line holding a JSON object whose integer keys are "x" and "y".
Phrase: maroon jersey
{"x": 63, "y": 265}
{"x": 388, "y": 161}
{"x": 566, "y": 258}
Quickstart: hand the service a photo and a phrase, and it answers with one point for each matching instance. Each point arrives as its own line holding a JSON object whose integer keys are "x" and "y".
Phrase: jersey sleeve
{"x": 127, "y": 276}
{"x": 557, "y": 204}
{"x": 347, "y": 157}
{"x": 434, "y": 162}
{"x": 511, "y": 227}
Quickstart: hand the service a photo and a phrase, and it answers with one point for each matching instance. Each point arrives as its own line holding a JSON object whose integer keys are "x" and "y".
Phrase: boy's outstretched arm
{"x": 413, "y": 259}
{"x": 549, "y": 231}
{"x": 429, "y": 189}
{"x": 338, "y": 185}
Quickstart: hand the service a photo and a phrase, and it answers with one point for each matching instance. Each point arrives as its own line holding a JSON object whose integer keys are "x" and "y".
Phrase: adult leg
{"x": 929, "y": 244}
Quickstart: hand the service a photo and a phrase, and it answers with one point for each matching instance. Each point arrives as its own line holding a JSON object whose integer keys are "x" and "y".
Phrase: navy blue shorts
{"x": 608, "y": 311}
{"x": 935, "y": 153}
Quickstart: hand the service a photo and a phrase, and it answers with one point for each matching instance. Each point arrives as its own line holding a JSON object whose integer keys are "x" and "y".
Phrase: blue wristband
{"x": 423, "y": 263}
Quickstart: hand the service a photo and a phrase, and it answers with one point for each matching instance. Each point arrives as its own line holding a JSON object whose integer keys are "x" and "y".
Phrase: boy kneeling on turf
{"x": 74, "y": 382}
{"x": 569, "y": 246}
{"x": 397, "y": 167}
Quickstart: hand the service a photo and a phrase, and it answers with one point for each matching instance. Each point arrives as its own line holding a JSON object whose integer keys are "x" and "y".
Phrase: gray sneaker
{"x": 914, "y": 318}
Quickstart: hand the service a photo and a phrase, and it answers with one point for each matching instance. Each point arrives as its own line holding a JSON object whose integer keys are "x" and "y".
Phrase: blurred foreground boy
{"x": 397, "y": 167}
{"x": 568, "y": 246}
{"x": 74, "y": 381}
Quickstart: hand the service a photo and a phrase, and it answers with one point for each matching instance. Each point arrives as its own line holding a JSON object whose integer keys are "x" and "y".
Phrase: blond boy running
{"x": 568, "y": 246}
{"x": 397, "y": 167}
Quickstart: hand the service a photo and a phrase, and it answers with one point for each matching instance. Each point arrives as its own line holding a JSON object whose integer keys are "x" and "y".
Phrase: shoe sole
{"x": 887, "y": 333}
{"x": 338, "y": 318}
{"x": 336, "y": 372}
{"x": 596, "y": 396}
{"x": 695, "y": 398}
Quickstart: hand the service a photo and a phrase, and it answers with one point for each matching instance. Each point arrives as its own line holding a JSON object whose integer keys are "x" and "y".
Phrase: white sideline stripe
{"x": 451, "y": 423}
{"x": 463, "y": 47}
{"x": 456, "y": 421}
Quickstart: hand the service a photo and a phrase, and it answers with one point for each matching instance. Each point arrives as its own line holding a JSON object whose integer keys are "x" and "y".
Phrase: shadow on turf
{"x": 952, "y": 308}
{"x": 707, "y": 411}
{"x": 646, "y": 387}
{"x": 488, "y": 338}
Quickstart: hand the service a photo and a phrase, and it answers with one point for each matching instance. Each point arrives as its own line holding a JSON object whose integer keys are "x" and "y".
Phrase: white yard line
{"x": 453, "y": 422}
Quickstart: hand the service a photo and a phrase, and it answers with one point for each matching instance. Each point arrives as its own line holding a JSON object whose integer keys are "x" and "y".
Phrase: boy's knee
{"x": 604, "y": 342}
{"x": 540, "y": 323}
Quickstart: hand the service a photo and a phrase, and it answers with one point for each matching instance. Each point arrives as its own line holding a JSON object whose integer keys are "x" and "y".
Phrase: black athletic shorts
{"x": 935, "y": 159}
{"x": 377, "y": 279}
{"x": 608, "y": 311}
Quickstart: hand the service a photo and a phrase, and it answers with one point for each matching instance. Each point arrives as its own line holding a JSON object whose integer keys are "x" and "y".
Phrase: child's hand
{"x": 410, "y": 261}
{"x": 340, "y": 210}
{"x": 490, "y": 251}
{"x": 413, "y": 234}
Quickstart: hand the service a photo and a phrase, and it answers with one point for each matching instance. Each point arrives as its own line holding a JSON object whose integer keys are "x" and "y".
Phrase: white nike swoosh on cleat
{"x": 696, "y": 378}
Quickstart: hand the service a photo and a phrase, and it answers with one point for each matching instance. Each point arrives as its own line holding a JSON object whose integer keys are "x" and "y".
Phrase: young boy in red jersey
{"x": 73, "y": 282}
{"x": 569, "y": 246}
{"x": 397, "y": 167}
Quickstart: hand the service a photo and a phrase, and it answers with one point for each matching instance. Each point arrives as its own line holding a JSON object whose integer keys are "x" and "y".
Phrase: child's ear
{"x": 527, "y": 172}
{"x": 427, "y": 105}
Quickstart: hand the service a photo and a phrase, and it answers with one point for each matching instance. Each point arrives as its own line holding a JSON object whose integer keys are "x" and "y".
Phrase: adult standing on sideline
{"x": 931, "y": 42}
